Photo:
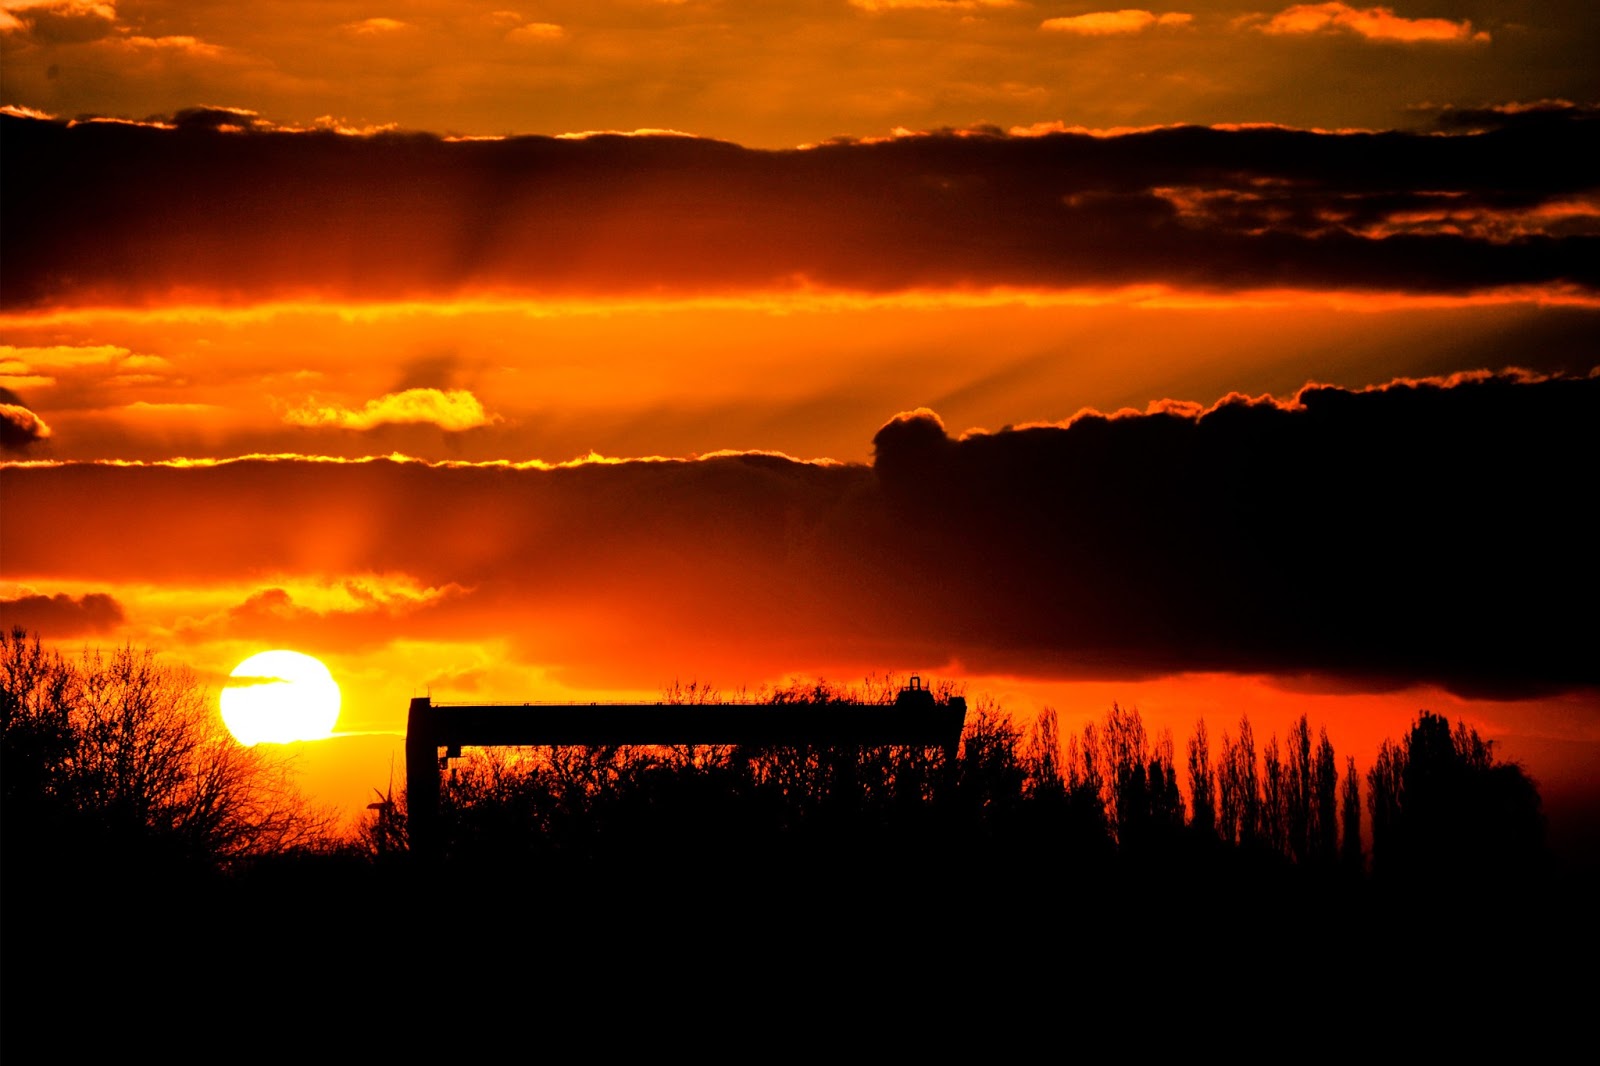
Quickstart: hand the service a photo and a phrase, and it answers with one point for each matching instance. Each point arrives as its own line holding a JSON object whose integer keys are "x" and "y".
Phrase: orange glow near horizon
{"x": 804, "y": 299}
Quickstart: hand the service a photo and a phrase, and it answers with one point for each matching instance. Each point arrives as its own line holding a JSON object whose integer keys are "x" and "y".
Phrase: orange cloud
{"x": 357, "y": 612}
{"x": 180, "y": 43}
{"x": 73, "y": 22}
{"x": 930, "y": 5}
{"x": 1372, "y": 23}
{"x": 35, "y": 367}
{"x": 1110, "y": 23}
{"x": 59, "y": 21}
{"x": 453, "y": 410}
{"x": 20, "y": 427}
{"x": 373, "y": 26}
{"x": 535, "y": 32}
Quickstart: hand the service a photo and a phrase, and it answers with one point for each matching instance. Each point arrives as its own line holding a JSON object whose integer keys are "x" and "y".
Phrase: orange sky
{"x": 282, "y": 252}
{"x": 779, "y": 74}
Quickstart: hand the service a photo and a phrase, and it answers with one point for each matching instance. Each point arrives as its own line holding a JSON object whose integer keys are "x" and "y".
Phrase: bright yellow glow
{"x": 278, "y": 697}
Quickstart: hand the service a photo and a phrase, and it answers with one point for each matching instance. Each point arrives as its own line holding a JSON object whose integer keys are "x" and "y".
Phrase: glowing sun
{"x": 280, "y": 696}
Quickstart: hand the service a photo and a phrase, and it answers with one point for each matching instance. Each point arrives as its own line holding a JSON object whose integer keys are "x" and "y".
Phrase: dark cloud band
{"x": 239, "y": 211}
{"x": 1423, "y": 532}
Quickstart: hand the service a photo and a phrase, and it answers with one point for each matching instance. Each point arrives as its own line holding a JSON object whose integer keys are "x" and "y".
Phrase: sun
{"x": 278, "y": 697}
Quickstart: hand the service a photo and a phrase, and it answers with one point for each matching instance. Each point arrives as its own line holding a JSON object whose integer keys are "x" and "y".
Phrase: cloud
{"x": 36, "y": 367}
{"x": 177, "y": 43}
{"x": 1424, "y": 532}
{"x": 19, "y": 427}
{"x": 375, "y": 26}
{"x": 1371, "y": 23}
{"x": 220, "y": 120}
{"x": 931, "y": 5}
{"x": 25, "y": 360}
{"x": 62, "y": 615}
{"x": 75, "y": 22}
{"x": 535, "y": 32}
{"x": 404, "y": 216}
{"x": 452, "y": 410}
{"x": 357, "y": 613}
{"x": 1529, "y": 115}
{"x": 1109, "y": 23}
{"x": 60, "y": 21}
{"x": 1492, "y": 217}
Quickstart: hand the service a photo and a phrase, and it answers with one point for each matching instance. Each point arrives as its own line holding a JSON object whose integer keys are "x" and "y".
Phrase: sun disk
{"x": 279, "y": 697}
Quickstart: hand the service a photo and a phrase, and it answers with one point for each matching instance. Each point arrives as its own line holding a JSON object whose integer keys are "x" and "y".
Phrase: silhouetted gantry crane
{"x": 914, "y": 718}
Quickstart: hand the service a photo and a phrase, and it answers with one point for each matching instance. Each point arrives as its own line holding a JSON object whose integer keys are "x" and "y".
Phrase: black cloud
{"x": 1423, "y": 532}
{"x": 121, "y": 212}
{"x": 62, "y": 615}
{"x": 19, "y": 427}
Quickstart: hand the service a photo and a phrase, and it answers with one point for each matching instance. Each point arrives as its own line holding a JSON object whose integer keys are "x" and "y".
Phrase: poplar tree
{"x": 1202, "y": 783}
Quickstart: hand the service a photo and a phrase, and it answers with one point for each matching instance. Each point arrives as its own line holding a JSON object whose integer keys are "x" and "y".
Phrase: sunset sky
{"x": 1214, "y": 360}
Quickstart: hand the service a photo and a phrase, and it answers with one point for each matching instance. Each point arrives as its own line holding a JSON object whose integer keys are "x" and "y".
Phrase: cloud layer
{"x": 1422, "y": 532}
{"x": 102, "y": 212}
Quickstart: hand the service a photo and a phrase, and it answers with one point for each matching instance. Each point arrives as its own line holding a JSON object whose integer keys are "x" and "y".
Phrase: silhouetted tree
{"x": 1166, "y": 798}
{"x": 989, "y": 770}
{"x": 36, "y": 736}
{"x": 1085, "y": 786}
{"x": 1385, "y": 790}
{"x": 1202, "y": 782}
{"x": 1325, "y": 807}
{"x": 123, "y": 752}
{"x": 1298, "y": 802}
{"x": 1274, "y": 798}
{"x": 1350, "y": 850}
{"x": 1228, "y": 788}
{"x": 1238, "y": 788}
{"x": 1084, "y": 765}
{"x": 1041, "y": 757}
{"x": 1140, "y": 783}
{"x": 1444, "y": 809}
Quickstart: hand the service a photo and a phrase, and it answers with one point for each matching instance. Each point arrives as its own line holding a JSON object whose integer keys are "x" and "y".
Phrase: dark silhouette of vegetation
{"x": 1238, "y": 789}
{"x": 1351, "y": 855}
{"x": 140, "y": 841}
{"x": 806, "y": 864}
{"x": 118, "y": 758}
{"x": 1108, "y": 794}
{"x": 1202, "y": 784}
{"x": 1446, "y": 811}
{"x": 1325, "y": 812}
{"x": 692, "y": 805}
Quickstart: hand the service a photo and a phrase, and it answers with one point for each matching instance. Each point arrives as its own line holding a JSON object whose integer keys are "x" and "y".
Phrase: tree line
{"x": 119, "y": 757}
{"x": 1437, "y": 804}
